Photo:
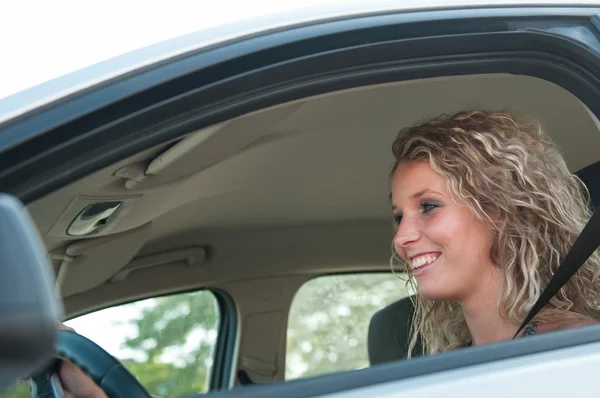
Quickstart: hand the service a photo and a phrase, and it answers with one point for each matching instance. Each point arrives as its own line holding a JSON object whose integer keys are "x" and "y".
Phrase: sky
{"x": 102, "y": 328}
{"x": 110, "y": 327}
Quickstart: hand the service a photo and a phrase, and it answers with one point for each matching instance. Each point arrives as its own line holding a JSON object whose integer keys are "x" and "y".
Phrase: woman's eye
{"x": 397, "y": 219}
{"x": 429, "y": 206}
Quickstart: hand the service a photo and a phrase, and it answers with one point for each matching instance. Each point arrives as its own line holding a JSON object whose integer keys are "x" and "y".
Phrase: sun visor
{"x": 203, "y": 149}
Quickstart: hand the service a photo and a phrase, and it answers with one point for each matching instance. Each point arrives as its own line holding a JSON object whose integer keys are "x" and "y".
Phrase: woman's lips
{"x": 423, "y": 262}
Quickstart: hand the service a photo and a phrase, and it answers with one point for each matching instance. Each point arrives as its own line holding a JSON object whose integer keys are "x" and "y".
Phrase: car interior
{"x": 259, "y": 205}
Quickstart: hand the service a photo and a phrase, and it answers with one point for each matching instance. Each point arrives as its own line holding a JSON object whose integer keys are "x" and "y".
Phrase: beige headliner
{"x": 299, "y": 188}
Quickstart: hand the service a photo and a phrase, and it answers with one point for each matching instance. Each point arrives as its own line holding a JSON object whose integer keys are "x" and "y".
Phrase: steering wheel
{"x": 104, "y": 369}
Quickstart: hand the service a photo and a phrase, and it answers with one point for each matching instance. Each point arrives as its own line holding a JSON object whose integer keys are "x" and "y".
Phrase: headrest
{"x": 389, "y": 333}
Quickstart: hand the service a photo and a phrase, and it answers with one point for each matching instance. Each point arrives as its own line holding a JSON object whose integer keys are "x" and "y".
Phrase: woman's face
{"x": 446, "y": 246}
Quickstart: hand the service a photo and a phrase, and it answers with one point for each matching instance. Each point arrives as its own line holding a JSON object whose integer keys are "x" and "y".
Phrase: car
{"x": 215, "y": 206}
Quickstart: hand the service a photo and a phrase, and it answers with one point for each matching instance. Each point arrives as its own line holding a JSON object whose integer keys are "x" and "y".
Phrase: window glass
{"x": 329, "y": 321}
{"x": 166, "y": 342}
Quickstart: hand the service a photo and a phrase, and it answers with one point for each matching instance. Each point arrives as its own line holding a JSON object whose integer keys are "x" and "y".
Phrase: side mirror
{"x": 29, "y": 306}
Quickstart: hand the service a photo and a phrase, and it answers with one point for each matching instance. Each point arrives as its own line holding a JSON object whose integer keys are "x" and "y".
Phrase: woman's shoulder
{"x": 569, "y": 323}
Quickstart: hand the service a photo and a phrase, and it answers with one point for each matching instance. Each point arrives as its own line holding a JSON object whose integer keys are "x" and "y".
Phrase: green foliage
{"x": 329, "y": 322}
{"x": 167, "y": 380}
{"x": 174, "y": 336}
{"x": 19, "y": 391}
{"x": 171, "y": 351}
{"x": 169, "y": 321}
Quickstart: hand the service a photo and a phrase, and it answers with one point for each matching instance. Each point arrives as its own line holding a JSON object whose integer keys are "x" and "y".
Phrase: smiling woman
{"x": 486, "y": 209}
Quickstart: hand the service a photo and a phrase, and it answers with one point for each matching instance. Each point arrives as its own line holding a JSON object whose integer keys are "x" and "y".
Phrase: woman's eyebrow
{"x": 423, "y": 192}
{"x": 418, "y": 194}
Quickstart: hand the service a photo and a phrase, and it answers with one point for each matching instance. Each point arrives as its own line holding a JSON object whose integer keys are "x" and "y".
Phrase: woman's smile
{"x": 423, "y": 261}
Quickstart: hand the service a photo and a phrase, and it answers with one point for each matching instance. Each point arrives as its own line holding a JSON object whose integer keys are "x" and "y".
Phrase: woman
{"x": 485, "y": 210}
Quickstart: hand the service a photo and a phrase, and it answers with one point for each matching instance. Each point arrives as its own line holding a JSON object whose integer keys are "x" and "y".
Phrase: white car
{"x": 215, "y": 206}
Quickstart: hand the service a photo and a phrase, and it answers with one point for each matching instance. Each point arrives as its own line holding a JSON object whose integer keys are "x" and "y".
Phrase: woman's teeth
{"x": 423, "y": 260}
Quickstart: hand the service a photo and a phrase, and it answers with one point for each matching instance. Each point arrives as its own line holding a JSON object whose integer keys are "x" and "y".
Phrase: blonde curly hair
{"x": 496, "y": 162}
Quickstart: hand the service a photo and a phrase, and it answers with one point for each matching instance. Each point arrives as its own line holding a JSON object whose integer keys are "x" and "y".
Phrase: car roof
{"x": 316, "y": 11}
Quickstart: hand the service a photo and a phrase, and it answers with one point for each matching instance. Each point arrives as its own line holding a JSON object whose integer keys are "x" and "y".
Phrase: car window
{"x": 329, "y": 321}
{"x": 166, "y": 342}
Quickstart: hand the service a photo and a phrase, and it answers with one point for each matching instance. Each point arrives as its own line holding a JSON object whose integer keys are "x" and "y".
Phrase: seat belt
{"x": 585, "y": 244}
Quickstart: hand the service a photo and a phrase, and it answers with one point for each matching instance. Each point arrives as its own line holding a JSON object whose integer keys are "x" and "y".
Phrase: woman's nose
{"x": 407, "y": 233}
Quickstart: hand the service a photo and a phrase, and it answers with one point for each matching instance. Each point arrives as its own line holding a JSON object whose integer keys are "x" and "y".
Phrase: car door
{"x": 49, "y": 141}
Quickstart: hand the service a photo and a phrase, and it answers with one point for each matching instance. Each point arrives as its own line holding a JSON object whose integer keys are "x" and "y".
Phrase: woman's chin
{"x": 434, "y": 292}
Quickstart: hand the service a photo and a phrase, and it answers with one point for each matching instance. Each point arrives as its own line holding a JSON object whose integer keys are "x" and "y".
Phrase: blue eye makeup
{"x": 428, "y": 206}
{"x": 425, "y": 207}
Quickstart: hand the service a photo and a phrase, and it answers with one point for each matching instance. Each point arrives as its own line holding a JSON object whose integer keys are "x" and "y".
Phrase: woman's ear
{"x": 494, "y": 217}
